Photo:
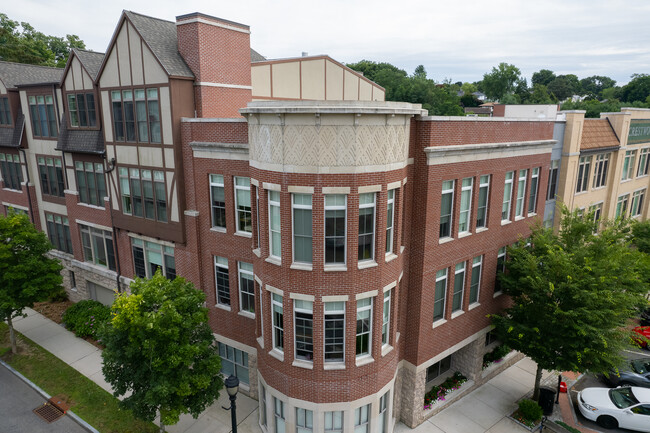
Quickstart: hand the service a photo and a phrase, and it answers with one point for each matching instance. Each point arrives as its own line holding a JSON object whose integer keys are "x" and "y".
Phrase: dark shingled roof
{"x": 80, "y": 140}
{"x": 10, "y": 137}
{"x": 91, "y": 61}
{"x": 256, "y": 57}
{"x": 598, "y": 134}
{"x": 17, "y": 74}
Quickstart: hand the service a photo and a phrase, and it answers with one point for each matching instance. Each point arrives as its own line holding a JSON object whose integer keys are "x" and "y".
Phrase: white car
{"x": 626, "y": 407}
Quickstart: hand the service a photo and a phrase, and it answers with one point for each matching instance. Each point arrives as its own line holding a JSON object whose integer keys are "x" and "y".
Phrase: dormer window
{"x": 81, "y": 107}
{"x": 5, "y": 113}
{"x": 41, "y": 110}
{"x": 136, "y": 115}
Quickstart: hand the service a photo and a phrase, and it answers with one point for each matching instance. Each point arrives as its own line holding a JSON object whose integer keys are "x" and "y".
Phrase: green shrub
{"x": 530, "y": 411}
{"x": 496, "y": 354}
{"x": 568, "y": 427}
{"x": 86, "y": 318}
{"x": 58, "y": 296}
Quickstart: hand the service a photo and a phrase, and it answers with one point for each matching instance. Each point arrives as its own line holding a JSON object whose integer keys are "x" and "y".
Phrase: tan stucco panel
{"x": 173, "y": 197}
{"x": 106, "y": 113}
{"x": 365, "y": 91}
{"x": 378, "y": 94}
{"x": 110, "y": 77}
{"x": 169, "y": 159}
{"x": 166, "y": 116}
{"x": 151, "y": 156}
{"x": 334, "y": 81}
{"x": 126, "y": 154}
{"x": 261, "y": 80}
{"x": 313, "y": 79}
{"x": 122, "y": 44}
{"x": 136, "y": 59}
{"x": 351, "y": 83}
{"x": 75, "y": 69}
{"x": 3, "y": 88}
{"x": 153, "y": 72}
{"x": 286, "y": 80}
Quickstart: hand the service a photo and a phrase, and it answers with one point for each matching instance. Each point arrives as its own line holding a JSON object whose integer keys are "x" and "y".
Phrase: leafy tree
{"x": 638, "y": 89}
{"x": 596, "y": 84}
{"x": 501, "y": 81}
{"x": 540, "y": 95}
{"x": 561, "y": 88}
{"x": 160, "y": 348}
{"x": 572, "y": 293}
{"x": 468, "y": 88}
{"x": 26, "y": 274}
{"x": 641, "y": 236}
{"x": 543, "y": 77}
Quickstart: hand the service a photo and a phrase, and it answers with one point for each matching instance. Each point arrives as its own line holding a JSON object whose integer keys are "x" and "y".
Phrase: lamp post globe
{"x": 232, "y": 385}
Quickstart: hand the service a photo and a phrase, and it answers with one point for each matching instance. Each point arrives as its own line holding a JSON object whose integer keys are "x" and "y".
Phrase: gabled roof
{"x": 90, "y": 60}
{"x": 256, "y": 57}
{"x": 598, "y": 134}
{"x": 17, "y": 74}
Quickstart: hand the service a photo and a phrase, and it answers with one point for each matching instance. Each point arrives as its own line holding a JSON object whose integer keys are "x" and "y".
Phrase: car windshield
{"x": 640, "y": 366}
{"x": 623, "y": 397}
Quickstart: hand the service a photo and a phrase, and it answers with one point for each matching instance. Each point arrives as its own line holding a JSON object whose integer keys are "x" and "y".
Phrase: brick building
{"x": 348, "y": 247}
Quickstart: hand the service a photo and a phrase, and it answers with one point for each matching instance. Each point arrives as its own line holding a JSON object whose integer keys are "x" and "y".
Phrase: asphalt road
{"x": 590, "y": 381}
{"x": 17, "y": 400}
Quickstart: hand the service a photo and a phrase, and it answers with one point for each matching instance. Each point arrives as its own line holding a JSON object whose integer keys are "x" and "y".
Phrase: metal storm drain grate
{"x": 48, "y": 412}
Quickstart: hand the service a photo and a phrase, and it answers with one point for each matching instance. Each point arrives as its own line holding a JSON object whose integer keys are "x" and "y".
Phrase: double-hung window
{"x": 136, "y": 115}
{"x": 446, "y": 208}
{"x": 81, "y": 107}
{"x": 222, "y": 281}
{"x": 534, "y": 186}
{"x": 148, "y": 257}
{"x": 507, "y": 196}
{"x": 362, "y": 419}
{"x": 600, "y": 170}
{"x": 440, "y": 295}
{"x": 302, "y": 227}
{"x": 243, "y": 204}
{"x": 335, "y": 232}
{"x": 383, "y": 413}
{"x": 367, "y": 226}
{"x": 97, "y": 246}
{"x": 90, "y": 182}
{"x": 334, "y": 331}
{"x": 246, "y": 287}
{"x": 483, "y": 193}
{"x": 521, "y": 193}
{"x": 465, "y": 204}
{"x": 584, "y": 167}
{"x": 637, "y": 203}
{"x": 12, "y": 173}
{"x": 628, "y": 165}
{"x": 235, "y": 362}
{"x": 278, "y": 322}
{"x": 275, "y": 239}
{"x": 278, "y": 412}
{"x": 643, "y": 162}
{"x": 459, "y": 287}
{"x": 385, "y": 319}
{"x": 304, "y": 329}
{"x": 143, "y": 193}
{"x": 475, "y": 281}
{"x": 218, "y": 201}
{"x": 5, "y": 112}
{"x": 621, "y": 206}
{"x": 334, "y": 422}
{"x": 501, "y": 268}
{"x": 552, "y": 179}
{"x": 262, "y": 405}
{"x": 364, "y": 326}
{"x": 50, "y": 171}
{"x": 390, "y": 221}
{"x": 597, "y": 211}
{"x": 41, "y": 110}
{"x": 58, "y": 231}
{"x": 304, "y": 421}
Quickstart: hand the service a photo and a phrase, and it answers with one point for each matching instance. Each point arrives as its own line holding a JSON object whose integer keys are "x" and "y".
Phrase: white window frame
{"x": 383, "y": 413}
{"x": 507, "y": 196}
{"x": 308, "y": 420}
{"x": 214, "y": 183}
{"x": 553, "y": 174}
{"x": 219, "y": 264}
{"x": 500, "y": 254}
{"x": 622, "y": 205}
{"x": 373, "y": 206}
{"x": 460, "y": 268}
{"x": 638, "y": 197}
{"x": 390, "y": 220}
{"x": 644, "y": 162}
{"x": 628, "y": 165}
{"x": 361, "y": 308}
{"x": 278, "y": 414}
{"x": 275, "y": 204}
{"x": 584, "y": 168}
{"x": 601, "y": 167}
{"x": 336, "y": 207}
{"x": 107, "y": 249}
{"x": 303, "y": 307}
{"x": 521, "y": 193}
{"x": 362, "y": 419}
{"x": 441, "y": 275}
{"x": 447, "y": 189}
{"x": 263, "y": 405}
{"x": 465, "y": 210}
{"x": 237, "y": 210}
{"x": 294, "y": 207}
{"x": 477, "y": 262}
{"x": 149, "y": 247}
{"x": 333, "y": 427}
{"x": 534, "y": 190}
{"x": 385, "y": 319}
{"x": 331, "y": 312}
{"x": 484, "y": 185}
{"x": 241, "y": 272}
{"x": 277, "y": 304}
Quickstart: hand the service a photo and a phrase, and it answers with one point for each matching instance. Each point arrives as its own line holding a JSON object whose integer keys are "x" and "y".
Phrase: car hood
{"x": 598, "y": 397}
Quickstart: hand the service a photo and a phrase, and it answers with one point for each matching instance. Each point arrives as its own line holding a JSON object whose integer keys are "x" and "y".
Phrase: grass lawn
{"x": 94, "y": 405}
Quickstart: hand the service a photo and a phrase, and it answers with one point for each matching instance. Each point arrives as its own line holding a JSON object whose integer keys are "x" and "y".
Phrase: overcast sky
{"x": 460, "y": 40}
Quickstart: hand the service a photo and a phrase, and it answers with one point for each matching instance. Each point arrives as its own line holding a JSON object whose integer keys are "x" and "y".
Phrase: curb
{"x": 573, "y": 413}
{"x": 45, "y": 395}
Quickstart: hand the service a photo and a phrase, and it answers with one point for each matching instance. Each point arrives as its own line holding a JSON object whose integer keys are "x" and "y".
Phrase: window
{"x": 143, "y": 193}
{"x": 367, "y": 226}
{"x": 257, "y": 217}
{"x": 5, "y": 112}
{"x": 150, "y": 256}
{"x": 304, "y": 316}
{"x": 584, "y": 167}
{"x": 552, "y": 180}
{"x": 335, "y": 218}
{"x": 483, "y": 192}
{"x": 643, "y": 162}
{"x": 439, "y": 368}
{"x": 12, "y": 173}
{"x": 534, "y": 185}
{"x": 263, "y": 405}
{"x": 139, "y": 122}
{"x": 278, "y": 325}
{"x": 334, "y": 331}
{"x": 440, "y": 295}
{"x": 235, "y": 362}
{"x": 364, "y": 326}
{"x": 383, "y": 413}
{"x": 628, "y": 164}
{"x": 304, "y": 421}
{"x": 621, "y": 206}
{"x": 41, "y": 110}
{"x": 58, "y": 230}
{"x": 446, "y": 208}
{"x": 459, "y": 287}
{"x": 390, "y": 221}
{"x": 385, "y": 322}
{"x": 507, "y": 196}
{"x": 98, "y": 246}
{"x": 362, "y": 419}
{"x": 90, "y": 182}
{"x": 475, "y": 282}
{"x": 81, "y": 107}
{"x": 275, "y": 240}
{"x": 218, "y": 201}
{"x": 521, "y": 193}
{"x": 222, "y": 280}
{"x": 278, "y": 411}
{"x": 465, "y": 204}
{"x": 246, "y": 287}
{"x": 600, "y": 170}
{"x": 243, "y": 204}
{"x": 490, "y": 338}
{"x": 50, "y": 171}
{"x": 637, "y": 203}
{"x": 501, "y": 268}
{"x": 302, "y": 228}
{"x": 334, "y": 422}
{"x": 597, "y": 210}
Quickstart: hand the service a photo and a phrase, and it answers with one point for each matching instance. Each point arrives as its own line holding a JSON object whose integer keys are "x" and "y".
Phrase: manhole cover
{"x": 48, "y": 412}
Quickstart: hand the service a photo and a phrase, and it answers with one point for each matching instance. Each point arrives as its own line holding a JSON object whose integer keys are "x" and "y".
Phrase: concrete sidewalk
{"x": 483, "y": 410}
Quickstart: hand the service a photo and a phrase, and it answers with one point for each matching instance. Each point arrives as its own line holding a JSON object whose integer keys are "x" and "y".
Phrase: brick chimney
{"x": 219, "y": 54}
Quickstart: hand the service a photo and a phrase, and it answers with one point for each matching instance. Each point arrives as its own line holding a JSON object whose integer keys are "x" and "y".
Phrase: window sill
{"x": 273, "y": 260}
{"x": 445, "y": 240}
{"x": 599, "y": 188}
{"x": 223, "y": 307}
{"x": 218, "y": 229}
{"x": 497, "y": 294}
{"x": 260, "y": 341}
{"x": 247, "y": 314}
{"x": 626, "y": 180}
{"x": 277, "y": 354}
{"x": 335, "y": 268}
{"x": 401, "y": 249}
{"x": 257, "y": 252}
{"x": 367, "y": 264}
{"x": 481, "y": 229}
{"x": 334, "y": 366}
{"x": 519, "y": 218}
{"x": 302, "y": 266}
{"x": 532, "y": 214}
{"x": 390, "y": 257}
{"x": 244, "y": 234}
{"x": 464, "y": 235}
{"x": 364, "y": 360}
{"x": 309, "y": 365}
{"x": 505, "y": 222}
{"x": 457, "y": 313}
{"x": 13, "y": 190}
{"x": 386, "y": 349}
{"x": 439, "y": 322}
{"x": 92, "y": 206}
{"x": 474, "y": 305}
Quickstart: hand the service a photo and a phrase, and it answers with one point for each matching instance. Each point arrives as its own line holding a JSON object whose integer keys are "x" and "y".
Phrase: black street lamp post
{"x": 232, "y": 387}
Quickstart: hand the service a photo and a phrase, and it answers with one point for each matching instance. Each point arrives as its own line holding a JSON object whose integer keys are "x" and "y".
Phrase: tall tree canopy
{"x": 543, "y": 77}
{"x": 501, "y": 81}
